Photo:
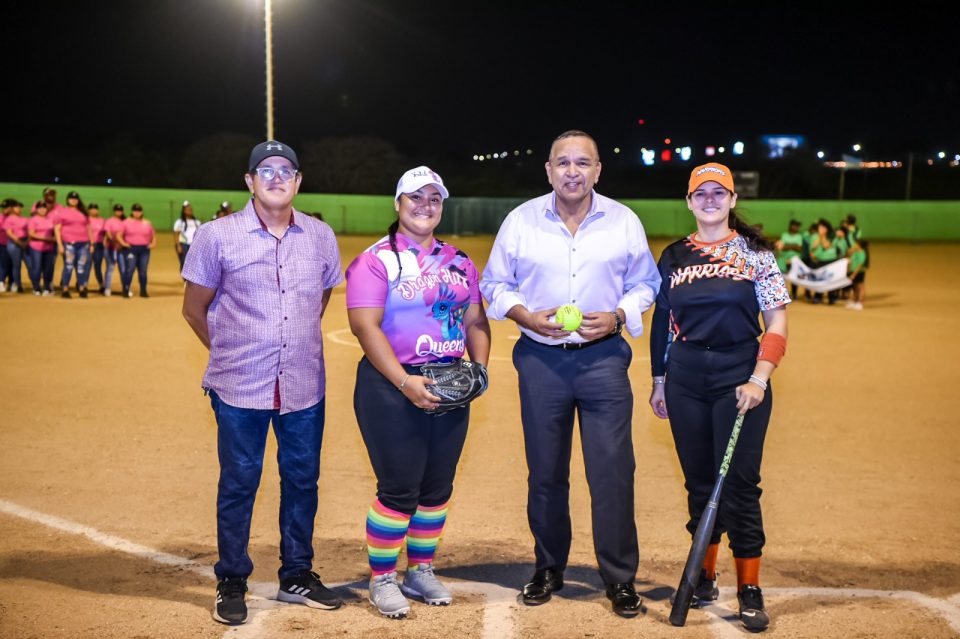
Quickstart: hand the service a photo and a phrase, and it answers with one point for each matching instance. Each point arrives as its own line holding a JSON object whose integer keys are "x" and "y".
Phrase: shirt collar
{"x": 550, "y": 206}
{"x": 252, "y": 221}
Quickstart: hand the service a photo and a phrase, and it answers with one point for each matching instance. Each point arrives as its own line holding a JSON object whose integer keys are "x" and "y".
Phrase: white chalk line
{"x": 262, "y": 602}
{"x": 725, "y": 621}
{"x": 500, "y": 601}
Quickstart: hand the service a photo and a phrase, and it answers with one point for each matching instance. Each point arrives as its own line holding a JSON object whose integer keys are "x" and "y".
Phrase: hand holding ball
{"x": 570, "y": 316}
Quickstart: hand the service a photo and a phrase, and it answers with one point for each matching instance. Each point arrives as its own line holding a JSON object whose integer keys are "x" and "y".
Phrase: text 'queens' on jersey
{"x": 716, "y": 291}
{"x": 424, "y": 293}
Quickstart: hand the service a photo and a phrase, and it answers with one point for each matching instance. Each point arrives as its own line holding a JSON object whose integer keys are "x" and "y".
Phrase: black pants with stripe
{"x": 701, "y": 400}
{"x": 591, "y": 383}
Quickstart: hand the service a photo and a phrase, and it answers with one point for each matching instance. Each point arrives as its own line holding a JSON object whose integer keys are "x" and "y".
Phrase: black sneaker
{"x": 752, "y": 613}
{"x": 230, "y": 608}
{"x": 65, "y": 294}
{"x": 144, "y": 294}
{"x": 305, "y": 588}
{"x": 83, "y": 293}
{"x": 706, "y": 591}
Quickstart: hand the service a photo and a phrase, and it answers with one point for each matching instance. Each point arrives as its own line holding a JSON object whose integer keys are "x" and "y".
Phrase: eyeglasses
{"x": 268, "y": 173}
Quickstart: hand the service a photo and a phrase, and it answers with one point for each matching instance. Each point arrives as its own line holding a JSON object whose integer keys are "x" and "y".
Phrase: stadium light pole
{"x": 268, "y": 29}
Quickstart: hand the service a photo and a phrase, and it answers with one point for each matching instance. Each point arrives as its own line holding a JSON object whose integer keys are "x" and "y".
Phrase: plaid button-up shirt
{"x": 264, "y": 321}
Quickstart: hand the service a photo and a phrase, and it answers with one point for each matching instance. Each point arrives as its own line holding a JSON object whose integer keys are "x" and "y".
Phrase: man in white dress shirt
{"x": 575, "y": 246}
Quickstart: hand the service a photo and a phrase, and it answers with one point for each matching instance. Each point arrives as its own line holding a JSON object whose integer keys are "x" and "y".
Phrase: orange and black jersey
{"x": 712, "y": 295}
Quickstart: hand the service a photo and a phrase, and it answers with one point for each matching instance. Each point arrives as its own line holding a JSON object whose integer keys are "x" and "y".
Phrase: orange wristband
{"x": 773, "y": 347}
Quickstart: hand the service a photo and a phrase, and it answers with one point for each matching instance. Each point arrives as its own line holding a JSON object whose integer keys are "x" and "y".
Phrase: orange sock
{"x": 710, "y": 561}
{"x": 748, "y": 572}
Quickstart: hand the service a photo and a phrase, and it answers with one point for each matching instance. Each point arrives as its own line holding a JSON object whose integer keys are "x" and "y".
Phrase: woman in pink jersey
{"x": 42, "y": 254}
{"x": 411, "y": 299}
{"x": 15, "y": 229}
{"x": 96, "y": 248}
{"x": 72, "y": 228}
{"x": 136, "y": 239}
{"x": 5, "y": 274}
{"x": 111, "y": 249}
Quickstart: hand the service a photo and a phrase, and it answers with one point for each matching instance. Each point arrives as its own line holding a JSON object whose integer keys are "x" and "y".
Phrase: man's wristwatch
{"x": 619, "y": 327}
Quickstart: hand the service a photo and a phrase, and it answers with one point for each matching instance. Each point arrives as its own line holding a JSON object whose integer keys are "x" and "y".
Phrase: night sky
{"x": 477, "y": 77}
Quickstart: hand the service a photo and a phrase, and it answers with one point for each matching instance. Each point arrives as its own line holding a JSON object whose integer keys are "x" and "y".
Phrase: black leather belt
{"x": 575, "y": 346}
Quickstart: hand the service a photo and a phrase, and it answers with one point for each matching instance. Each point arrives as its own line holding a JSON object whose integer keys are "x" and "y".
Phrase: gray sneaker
{"x": 423, "y": 585}
{"x": 386, "y": 596}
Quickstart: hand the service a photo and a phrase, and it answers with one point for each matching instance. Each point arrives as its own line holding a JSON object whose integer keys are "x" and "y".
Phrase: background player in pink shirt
{"x": 136, "y": 239}
{"x": 5, "y": 274}
{"x": 111, "y": 249}
{"x": 411, "y": 299}
{"x": 72, "y": 228}
{"x": 15, "y": 230}
{"x": 96, "y": 247}
{"x": 42, "y": 252}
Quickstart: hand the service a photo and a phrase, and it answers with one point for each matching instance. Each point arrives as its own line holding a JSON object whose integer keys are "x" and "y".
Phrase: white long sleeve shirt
{"x": 537, "y": 263}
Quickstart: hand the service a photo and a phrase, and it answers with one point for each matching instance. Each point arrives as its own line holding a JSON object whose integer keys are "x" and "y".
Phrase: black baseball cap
{"x": 93, "y": 205}
{"x": 136, "y": 207}
{"x": 269, "y": 149}
{"x": 73, "y": 194}
{"x": 118, "y": 207}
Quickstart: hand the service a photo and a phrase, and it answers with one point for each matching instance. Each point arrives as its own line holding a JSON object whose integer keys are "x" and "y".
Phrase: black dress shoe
{"x": 626, "y": 601}
{"x": 542, "y": 586}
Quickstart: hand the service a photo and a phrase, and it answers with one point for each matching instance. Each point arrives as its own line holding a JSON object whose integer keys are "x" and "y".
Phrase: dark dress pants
{"x": 591, "y": 383}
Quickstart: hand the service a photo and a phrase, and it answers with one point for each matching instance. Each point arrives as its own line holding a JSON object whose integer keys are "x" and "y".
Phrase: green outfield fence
{"x": 371, "y": 214}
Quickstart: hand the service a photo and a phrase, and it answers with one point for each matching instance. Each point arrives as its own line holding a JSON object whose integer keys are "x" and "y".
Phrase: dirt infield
{"x": 108, "y": 476}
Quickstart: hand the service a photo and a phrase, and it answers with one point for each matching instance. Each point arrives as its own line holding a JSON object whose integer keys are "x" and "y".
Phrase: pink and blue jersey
{"x": 423, "y": 303}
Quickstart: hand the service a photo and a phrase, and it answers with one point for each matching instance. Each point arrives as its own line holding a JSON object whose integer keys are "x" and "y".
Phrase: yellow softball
{"x": 570, "y": 316}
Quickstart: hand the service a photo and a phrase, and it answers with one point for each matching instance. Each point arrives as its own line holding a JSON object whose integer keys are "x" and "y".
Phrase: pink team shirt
{"x": 96, "y": 225}
{"x": 424, "y": 303}
{"x": 3, "y": 232}
{"x": 42, "y": 226}
{"x": 113, "y": 226}
{"x": 73, "y": 224}
{"x": 17, "y": 224}
{"x": 264, "y": 320}
{"x": 137, "y": 232}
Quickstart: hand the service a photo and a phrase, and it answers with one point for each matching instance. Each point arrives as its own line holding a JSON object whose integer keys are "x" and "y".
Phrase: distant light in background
{"x": 666, "y": 141}
{"x": 529, "y": 151}
{"x": 496, "y": 156}
{"x": 710, "y": 151}
{"x": 480, "y": 157}
{"x": 821, "y": 154}
{"x": 957, "y": 157}
{"x": 677, "y": 150}
{"x": 109, "y": 180}
{"x": 516, "y": 152}
{"x": 721, "y": 150}
{"x": 474, "y": 157}
{"x": 56, "y": 179}
{"x": 685, "y": 153}
{"x": 616, "y": 149}
{"x": 738, "y": 148}
{"x": 665, "y": 155}
{"x": 929, "y": 162}
{"x": 856, "y": 147}
{"x": 941, "y": 154}
{"x": 641, "y": 121}
{"x": 489, "y": 156}
{"x": 648, "y": 156}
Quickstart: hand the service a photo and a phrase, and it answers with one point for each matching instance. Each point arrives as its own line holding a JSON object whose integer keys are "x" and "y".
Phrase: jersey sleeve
{"x": 367, "y": 283}
{"x": 660, "y": 324}
{"x": 770, "y": 285}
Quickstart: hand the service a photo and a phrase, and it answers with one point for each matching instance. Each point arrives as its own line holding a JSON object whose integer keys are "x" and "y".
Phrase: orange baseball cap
{"x": 711, "y": 172}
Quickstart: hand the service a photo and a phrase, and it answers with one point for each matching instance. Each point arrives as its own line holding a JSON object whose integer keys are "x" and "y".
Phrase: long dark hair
{"x": 756, "y": 240}
{"x": 392, "y": 232}
{"x": 80, "y": 207}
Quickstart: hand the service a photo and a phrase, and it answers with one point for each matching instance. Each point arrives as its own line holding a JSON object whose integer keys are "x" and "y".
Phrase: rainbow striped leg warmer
{"x": 426, "y": 527}
{"x": 386, "y": 529}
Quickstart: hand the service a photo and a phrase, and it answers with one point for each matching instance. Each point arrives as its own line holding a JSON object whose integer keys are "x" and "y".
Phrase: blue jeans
{"x": 4, "y": 264}
{"x": 241, "y": 439}
{"x": 15, "y": 253}
{"x": 97, "y": 259}
{"x": 40, "y": 268}
{"x": 136, "y": 257}
{"x": 76, "y": 256}
{"x": 113, "y": 256}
